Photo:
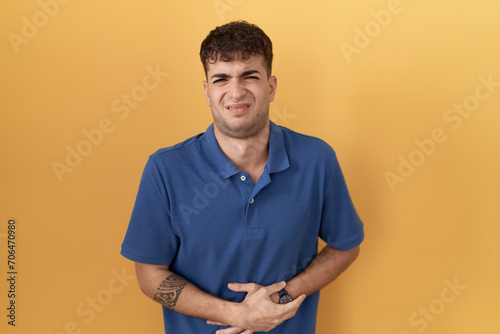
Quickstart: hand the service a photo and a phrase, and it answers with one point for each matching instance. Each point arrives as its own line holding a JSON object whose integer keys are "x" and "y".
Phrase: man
{"x": 225, "y": 227}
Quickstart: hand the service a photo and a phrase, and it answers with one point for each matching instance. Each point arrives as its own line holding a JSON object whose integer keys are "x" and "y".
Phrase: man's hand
{"x": 259, "y": 312}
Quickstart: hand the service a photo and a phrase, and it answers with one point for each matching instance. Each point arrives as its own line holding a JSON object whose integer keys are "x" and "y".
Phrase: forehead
{"x": 237, "y": 65}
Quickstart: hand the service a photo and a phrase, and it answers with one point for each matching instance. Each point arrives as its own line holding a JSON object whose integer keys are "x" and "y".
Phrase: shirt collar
{"x": 278, "y": 157}
{"x": 277, "y": 161}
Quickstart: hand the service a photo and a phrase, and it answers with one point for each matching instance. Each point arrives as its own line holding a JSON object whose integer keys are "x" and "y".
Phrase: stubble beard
{"x": 248, "y": 130}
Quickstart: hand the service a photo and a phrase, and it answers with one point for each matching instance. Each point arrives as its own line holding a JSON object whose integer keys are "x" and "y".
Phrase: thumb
{"x": 243, "y": 287}
{"x": 278, "y": 286}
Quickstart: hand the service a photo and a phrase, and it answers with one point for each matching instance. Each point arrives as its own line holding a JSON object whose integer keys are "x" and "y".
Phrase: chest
{"x": 218, "y": 210}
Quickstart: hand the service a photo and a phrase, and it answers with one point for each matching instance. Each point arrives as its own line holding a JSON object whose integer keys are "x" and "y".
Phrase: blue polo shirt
{"x": 196, "y": 212}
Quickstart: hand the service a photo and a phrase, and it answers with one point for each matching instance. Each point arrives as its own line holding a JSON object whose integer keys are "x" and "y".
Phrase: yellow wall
{"x": 407, "y": 92}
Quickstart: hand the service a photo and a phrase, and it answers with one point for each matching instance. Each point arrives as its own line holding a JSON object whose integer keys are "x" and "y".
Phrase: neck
{"x": 248, "y": 155}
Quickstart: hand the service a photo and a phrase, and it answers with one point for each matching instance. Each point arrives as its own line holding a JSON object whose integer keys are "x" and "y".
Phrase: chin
{"x": 244, "y": 131}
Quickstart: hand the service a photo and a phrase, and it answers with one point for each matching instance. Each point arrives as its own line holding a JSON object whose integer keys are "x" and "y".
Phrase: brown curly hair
{"x": 236, "y": 39}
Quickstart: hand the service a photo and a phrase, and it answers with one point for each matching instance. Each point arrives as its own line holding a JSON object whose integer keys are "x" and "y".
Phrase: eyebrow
{"x": 224, "y": 75}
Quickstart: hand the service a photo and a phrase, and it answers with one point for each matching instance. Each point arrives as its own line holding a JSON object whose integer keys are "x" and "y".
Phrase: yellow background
{"x": 438, "y": 227}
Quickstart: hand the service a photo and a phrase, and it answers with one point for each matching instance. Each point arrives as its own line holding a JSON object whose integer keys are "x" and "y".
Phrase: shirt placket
{"x": 251, "y": 198}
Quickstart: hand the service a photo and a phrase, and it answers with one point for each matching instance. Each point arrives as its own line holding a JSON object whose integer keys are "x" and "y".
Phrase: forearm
{"x": 322, "y": 270}
{"x": 176, "y": 293}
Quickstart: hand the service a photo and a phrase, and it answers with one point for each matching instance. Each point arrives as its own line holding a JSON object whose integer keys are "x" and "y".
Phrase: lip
{"x": 238, "y": 107}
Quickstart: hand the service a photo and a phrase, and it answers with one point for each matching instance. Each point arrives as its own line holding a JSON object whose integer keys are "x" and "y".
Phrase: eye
{"x": 220, "y": 80}
{"x": 252, "y": 77}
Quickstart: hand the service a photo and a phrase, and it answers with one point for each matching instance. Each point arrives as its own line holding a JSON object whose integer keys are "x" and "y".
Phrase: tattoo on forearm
{"x": 169, "y": 290}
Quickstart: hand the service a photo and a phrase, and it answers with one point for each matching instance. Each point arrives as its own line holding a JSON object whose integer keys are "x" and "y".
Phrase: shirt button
{"x": 243, "y": 178}
{"x": 252, "y": 200}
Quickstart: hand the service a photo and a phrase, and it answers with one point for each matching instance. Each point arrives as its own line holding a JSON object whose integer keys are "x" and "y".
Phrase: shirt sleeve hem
{"x": 142, "y": 259}
{"x": 350, "y": 245}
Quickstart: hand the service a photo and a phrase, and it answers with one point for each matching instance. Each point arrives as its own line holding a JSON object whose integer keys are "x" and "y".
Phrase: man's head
{"x": 239, "y": 87}
{"x": 236, "y": 40}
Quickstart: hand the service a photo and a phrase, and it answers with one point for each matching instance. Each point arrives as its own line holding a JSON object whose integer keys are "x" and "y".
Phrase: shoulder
{"x": 186, "y": 148}
{"x": 305, "y": 145}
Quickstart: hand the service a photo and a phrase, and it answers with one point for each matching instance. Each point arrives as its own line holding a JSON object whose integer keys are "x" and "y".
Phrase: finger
{"x": 297, "y": 301}
{"x": 294, "y": 305}
{"x": 230, "y": 330}
{"x": 210, "y": 322}
{"x": 243, "y": 287}
{"x": 290, "y": 309}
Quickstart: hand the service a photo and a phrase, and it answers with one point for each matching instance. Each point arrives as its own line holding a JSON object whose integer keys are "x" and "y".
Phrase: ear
{"x": 273, "y": 83}
{"x": 205, "y": 88}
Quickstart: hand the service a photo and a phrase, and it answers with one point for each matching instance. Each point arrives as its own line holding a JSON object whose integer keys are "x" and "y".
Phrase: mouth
{"x": 238, "y": 108}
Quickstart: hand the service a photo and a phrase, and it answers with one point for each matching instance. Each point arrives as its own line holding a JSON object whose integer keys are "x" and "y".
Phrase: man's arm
{"x": 257, "y": 313}
{"x": 323, "y": 269}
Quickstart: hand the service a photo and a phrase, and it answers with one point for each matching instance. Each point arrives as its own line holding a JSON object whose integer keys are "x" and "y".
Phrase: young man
{"x": 225, "y": 227}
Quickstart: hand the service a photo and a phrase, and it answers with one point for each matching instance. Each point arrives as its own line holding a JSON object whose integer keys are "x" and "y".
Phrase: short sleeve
{"x": 341, "y": 227}
{"x": 150, "y": 237}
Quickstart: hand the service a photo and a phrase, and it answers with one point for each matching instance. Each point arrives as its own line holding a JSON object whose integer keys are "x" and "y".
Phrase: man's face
{"x": 239, "y": 93}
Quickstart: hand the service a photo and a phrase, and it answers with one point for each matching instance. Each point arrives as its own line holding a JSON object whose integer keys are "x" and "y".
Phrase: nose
{"x": 235, "y": 90}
